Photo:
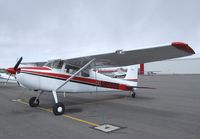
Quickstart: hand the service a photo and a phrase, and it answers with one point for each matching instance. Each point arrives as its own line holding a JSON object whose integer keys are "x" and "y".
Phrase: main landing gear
{"x": 58, "y": 108}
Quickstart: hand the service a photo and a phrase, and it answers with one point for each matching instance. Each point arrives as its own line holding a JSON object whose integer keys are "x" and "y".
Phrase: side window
{"x": 57, "y": 64}
{"x": 72, "y": 69}
{"x": 85, "y": 73}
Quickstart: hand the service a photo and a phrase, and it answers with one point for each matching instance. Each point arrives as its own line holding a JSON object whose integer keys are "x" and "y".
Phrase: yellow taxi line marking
{"x": 64, "y": 115}
{"x": 80, "y": 120}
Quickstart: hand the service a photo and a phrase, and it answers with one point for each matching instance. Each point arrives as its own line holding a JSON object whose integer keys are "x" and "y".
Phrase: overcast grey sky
{"x": 41, "y": 30}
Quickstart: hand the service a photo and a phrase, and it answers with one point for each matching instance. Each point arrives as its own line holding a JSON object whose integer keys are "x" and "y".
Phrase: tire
{"x": 133, "y": 95}
{"x": 34, "y": 103}
{"x": 59, "y": 108}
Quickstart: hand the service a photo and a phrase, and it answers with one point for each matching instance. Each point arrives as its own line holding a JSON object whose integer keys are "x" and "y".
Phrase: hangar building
{"x": 174, "y": 66}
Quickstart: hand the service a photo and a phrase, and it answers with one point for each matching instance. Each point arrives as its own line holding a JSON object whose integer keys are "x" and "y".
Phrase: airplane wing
{"x": 125, "y": 58}
{"x": 33, "y": 63}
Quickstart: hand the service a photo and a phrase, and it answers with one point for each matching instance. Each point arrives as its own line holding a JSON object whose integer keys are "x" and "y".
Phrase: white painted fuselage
{"x": 47, "y": 79}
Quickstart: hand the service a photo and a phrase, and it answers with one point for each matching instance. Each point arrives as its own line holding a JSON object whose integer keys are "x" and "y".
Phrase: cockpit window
{"x": 48, "y": 64}
{"x": 57, "y": 64}
{"x": 68, "y": 68}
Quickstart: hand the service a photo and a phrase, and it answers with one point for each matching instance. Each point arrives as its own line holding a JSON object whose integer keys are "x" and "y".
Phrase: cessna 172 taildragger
{"x": 81, "y": 74}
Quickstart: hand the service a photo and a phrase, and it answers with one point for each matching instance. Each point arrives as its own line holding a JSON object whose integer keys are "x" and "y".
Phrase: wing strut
{"x": 85, "y": 66}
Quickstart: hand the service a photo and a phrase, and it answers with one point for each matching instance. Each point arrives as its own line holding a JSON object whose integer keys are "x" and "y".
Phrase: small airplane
{"x": 81, "y": 74}
{"x": 4, "y": 78}
{"x": 114, "y": 72}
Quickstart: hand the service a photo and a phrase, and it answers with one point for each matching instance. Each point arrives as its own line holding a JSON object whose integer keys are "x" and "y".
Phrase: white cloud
{"x": 42, "y": 30}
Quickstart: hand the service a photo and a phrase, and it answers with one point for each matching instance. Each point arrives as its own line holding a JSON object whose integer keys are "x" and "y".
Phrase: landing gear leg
{"x": 34, "y": 101}
{"x": 58, "y": 108}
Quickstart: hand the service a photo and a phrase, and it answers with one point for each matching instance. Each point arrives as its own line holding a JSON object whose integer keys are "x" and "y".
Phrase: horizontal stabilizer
{"x": 141, "y": 87}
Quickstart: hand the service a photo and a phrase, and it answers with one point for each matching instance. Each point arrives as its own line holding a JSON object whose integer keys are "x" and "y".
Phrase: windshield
{"x": 57, "y": 64}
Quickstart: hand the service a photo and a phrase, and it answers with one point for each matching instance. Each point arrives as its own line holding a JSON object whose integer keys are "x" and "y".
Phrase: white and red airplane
{"x": 81, "y": 74}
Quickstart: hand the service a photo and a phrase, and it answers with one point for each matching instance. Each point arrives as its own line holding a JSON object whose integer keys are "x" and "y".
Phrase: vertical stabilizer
{"x": 132, "y": 73}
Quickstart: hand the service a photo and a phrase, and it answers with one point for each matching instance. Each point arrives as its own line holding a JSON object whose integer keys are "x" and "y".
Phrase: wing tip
{"x": 183, "y": 46}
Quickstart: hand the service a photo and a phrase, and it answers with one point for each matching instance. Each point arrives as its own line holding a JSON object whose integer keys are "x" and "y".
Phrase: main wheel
{"x": 34, "y": 102}
{"x": 59, "y": 108}
{"x": 133, "y": 95}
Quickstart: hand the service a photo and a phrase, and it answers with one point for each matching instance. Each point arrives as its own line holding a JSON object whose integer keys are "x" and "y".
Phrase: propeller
{"x": 18, "y": 63}
{"x": 13, "y": 70}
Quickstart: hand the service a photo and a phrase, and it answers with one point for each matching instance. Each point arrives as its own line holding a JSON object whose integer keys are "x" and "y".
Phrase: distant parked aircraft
{"x": 4, "y": 78}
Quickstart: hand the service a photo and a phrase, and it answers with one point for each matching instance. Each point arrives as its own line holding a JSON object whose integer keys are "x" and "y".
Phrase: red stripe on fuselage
{"x": 83, "y": 80}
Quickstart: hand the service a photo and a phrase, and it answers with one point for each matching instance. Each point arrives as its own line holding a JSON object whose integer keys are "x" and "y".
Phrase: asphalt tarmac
{"x": 171, "y": 111}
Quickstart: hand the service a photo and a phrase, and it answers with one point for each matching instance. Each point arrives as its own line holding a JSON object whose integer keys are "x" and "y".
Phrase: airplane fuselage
{"x": 47, "y": 79}
{"x": 77, "y": 74}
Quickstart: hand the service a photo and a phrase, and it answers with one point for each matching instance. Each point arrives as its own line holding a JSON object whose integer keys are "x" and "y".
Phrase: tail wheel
{"x": 59, "y": 108}
{"x": 34, "y": 102}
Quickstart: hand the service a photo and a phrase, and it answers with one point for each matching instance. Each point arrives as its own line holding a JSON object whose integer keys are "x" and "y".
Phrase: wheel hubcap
{"x": 60, "y": 109}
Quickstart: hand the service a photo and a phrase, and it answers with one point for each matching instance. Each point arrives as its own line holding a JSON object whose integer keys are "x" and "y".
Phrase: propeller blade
{"x": 17, "y": 64}
{"x": 8, "y": 79}
{"x": 13, "y": 70}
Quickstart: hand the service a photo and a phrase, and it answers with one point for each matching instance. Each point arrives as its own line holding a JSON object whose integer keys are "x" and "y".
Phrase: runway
{"x": 171, "y": 111}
